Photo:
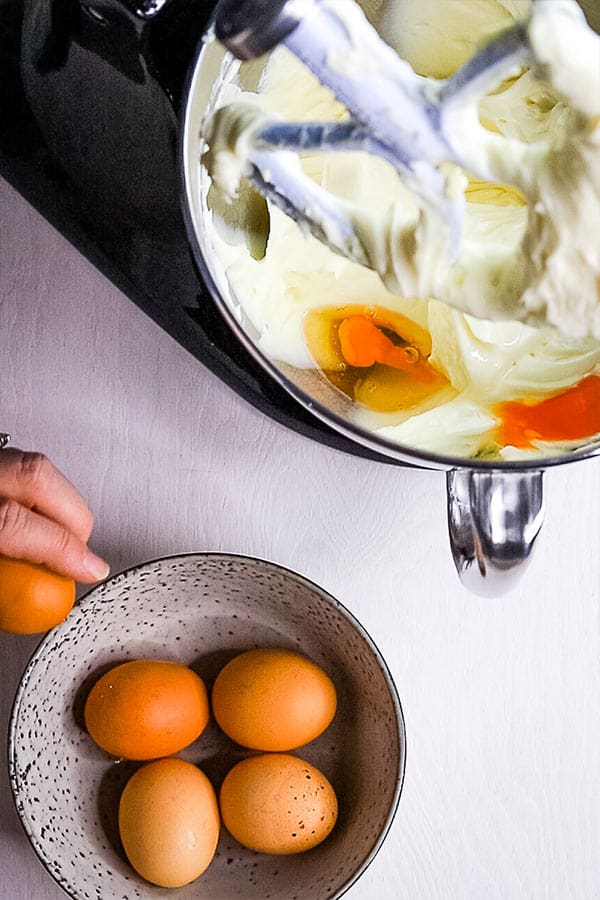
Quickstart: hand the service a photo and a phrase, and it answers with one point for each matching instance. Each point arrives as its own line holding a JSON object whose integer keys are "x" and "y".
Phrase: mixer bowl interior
{"x": 213, "y": 224}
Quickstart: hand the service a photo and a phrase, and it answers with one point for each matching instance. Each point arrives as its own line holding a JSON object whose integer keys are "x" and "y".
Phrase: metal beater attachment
{"x": 403, "y": 117}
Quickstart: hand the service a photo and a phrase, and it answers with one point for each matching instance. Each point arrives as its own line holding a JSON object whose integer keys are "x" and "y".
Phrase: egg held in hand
{"x": 32, "y": 598}
{"x": 273, "y": 700}
{"x": 146, "y": 708}
{"x": 169, "y": 822}
{"x": 277, "y": 803}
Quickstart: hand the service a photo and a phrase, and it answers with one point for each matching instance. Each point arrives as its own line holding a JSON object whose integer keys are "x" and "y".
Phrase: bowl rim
{"x": 88, "y": 598}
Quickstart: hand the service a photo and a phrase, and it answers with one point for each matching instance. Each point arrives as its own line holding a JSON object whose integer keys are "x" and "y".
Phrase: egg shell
{"x": 273, "y": 700}
{"x": 146, "y": 708}
{"x": 277, "y": 803}
{"x": 32, "y": 598}
{"x": 169, "y": 822}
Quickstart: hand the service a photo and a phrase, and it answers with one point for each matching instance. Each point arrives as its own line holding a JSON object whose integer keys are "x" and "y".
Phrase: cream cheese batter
{"x": 547, "y": 147}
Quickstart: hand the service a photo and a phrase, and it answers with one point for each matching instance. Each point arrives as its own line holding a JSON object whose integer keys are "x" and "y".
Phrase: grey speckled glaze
{"x": 200, "y": 610}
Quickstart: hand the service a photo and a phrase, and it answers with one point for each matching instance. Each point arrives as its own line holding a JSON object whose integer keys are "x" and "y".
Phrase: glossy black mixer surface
{"x": 89, "y": 106}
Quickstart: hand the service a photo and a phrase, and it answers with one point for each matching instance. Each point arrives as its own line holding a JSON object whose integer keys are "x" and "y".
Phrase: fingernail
{"x": 96, "y": 567}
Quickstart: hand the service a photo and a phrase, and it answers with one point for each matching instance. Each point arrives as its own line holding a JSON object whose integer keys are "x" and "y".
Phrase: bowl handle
{"x": 494, "y": 518}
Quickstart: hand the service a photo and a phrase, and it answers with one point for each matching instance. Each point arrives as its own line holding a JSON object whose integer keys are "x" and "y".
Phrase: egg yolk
{"x": 569, "y": 416}
{"x": 363, "y": 344}
{"x": 377, "y": 357}
{"x": 380, "y": 359}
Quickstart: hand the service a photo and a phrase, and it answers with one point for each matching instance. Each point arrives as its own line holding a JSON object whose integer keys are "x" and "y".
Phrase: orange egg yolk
{"x": 377, "y": 357}
{"x": 363, "y": 344}
{"x": 570, "y": 416}
{"x": 380, "y": 359}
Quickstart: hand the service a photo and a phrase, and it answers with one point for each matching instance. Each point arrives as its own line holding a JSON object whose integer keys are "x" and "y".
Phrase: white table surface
{"x": 501, "y": 697}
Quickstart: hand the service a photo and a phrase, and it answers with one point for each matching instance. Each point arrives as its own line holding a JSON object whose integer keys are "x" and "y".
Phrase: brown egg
{"x": 32, "y": 598}
{"x": 277, "y": 803}
{"x": 146, "y": 708}
{"x": 273, "y": 700}
{"x": 169, "y": 822}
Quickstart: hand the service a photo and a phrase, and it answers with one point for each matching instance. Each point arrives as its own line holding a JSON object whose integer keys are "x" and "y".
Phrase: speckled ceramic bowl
{"x": 201, "y": 610}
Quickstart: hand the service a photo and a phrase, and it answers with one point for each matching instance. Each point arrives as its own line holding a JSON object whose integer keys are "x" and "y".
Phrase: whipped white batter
{"x": 529, "y": 253}
{"x": 547, "y": 148}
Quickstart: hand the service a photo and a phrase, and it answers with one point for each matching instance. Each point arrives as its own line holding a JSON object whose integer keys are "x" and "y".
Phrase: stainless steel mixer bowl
{"x": 495, "y": 509}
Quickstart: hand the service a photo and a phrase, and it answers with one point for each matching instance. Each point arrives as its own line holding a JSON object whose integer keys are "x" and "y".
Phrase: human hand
{"x": 44, "y": 519}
